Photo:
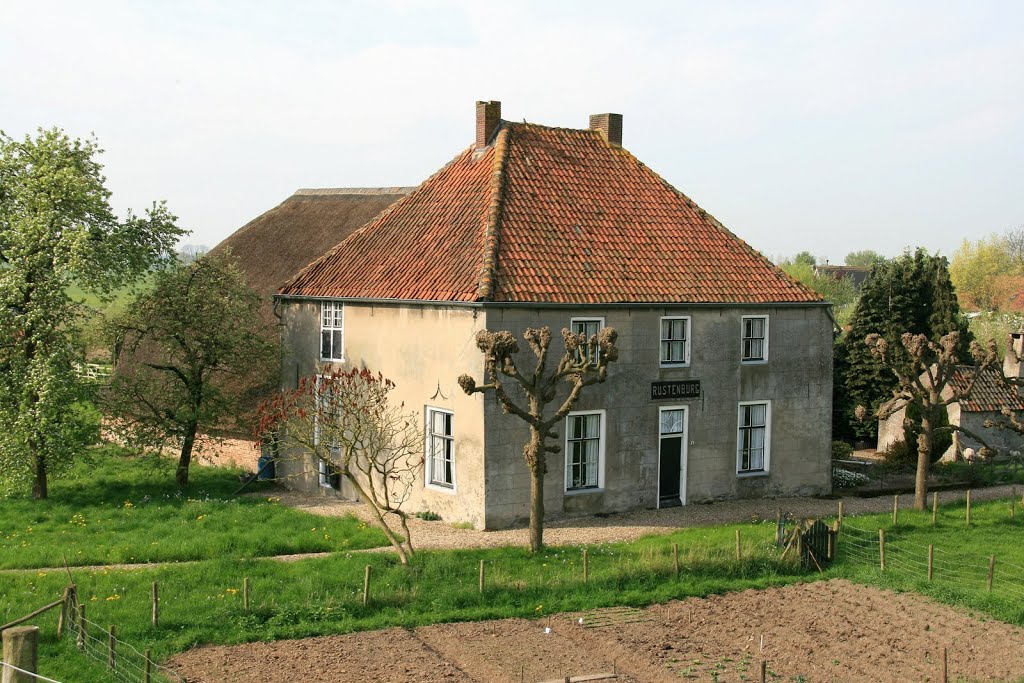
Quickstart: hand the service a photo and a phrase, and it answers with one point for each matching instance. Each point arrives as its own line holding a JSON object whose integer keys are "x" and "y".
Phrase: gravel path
{"x": 627, "y": 526}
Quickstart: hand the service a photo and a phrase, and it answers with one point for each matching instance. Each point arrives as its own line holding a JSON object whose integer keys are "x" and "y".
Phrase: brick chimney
{"x": 488, "y": 118}
{"x": 610, "y": 126}
{"x": 1014, "y": 356}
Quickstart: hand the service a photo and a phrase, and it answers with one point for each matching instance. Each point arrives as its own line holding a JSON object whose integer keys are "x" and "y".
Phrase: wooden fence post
{"x": 881, "y": 548}
{"x": 935, "y": 506}
{"x": 764, "y": 671}
{"x": 968, "y": 507}
{"x": 111, "y": 646}
{"x": 780, "y": 527}
{"x": 147, "y": 670}
{"x": 991, "y": 571}
{"x": 895, "y": 509}
{"x": 945, "y": 666}
{"x": 739, "y": 550}
{"x": 63, "y": 611}
{"x": 832, "y": 542}
{"x": 245, "y": 593}
{"x": 675, "y": 558}
{"x": 481, "y": 576}
{"x": 586, "y": 566}
{"x": 840, "y": 512}
{"x": 81, "y": 627}
{"x": 366, "y": 584}
{"x": 931, "y": 560}
{"x": 20, "y": 649}
{"x": 155, "y": 596}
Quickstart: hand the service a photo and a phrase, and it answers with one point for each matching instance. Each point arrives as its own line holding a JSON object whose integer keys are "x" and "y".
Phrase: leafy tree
{"x": 921, "y": 385}
{"x": 585, "y": 362}
{"x": 345, "y": 419}
{"x": 56, "y": 229}
{"x": 805, "y": 258}
{"x": 911, "y": 293}
{"x": 977, "y": 267}
{"x": 185, "y": 352}
{"x": 864, "y": 258}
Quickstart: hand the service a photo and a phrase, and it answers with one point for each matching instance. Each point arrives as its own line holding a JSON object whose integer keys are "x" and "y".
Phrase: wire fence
{"x": 124, "y": 662}
{"x": 35, "y": 676}
{"x": 891, "y": 551}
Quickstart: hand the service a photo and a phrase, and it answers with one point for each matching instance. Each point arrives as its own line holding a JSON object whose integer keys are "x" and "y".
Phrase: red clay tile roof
{"x": 547, "y": 215}
{"x": 990, "y": 392}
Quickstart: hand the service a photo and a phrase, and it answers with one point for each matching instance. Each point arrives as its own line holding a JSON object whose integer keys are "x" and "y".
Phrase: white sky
{"x": 827, "y": 126}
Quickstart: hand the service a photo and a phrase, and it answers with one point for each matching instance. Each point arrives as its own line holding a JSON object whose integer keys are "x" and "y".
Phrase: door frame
{"x": 683, "y": 454}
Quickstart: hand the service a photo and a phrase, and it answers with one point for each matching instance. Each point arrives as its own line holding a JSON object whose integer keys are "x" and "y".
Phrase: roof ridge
{"x": 396, "y": 189}
{"x": 492, "y": 221}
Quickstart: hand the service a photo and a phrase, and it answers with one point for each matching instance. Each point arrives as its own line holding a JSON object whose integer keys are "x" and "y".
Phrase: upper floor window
{"x": 584, "y": 449}
{"x": 675, "y": 340}
{"x": 440, "y": 448}
{"x": 755, "y": 338}
{"x": 588, "y": 327}
{"x": 754, "y": 437}
{"x": 332, "y": 330}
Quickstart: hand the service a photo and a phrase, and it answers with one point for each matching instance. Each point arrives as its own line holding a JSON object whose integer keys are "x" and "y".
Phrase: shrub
{"x": 841, "y": 450}
{"x": 845, "y": 479}
{"x": 899, "y": 454}
{"x": 428, "y": 516}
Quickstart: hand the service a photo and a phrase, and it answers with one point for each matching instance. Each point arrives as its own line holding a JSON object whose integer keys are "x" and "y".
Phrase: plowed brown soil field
{"x": 825, "y": 631}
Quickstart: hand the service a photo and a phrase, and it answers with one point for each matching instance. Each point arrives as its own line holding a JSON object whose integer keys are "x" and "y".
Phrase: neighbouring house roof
{"x": 272, "y": 247}
{"x": 858, "y": 274}
{"x": 990, "y": 392}
{"x": 549, "y": 215}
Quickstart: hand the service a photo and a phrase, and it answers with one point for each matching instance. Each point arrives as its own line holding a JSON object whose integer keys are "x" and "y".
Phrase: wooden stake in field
{"x": 481, "y": 576}
{"x": 111, "y": 645}
{"x": 968, "y": 507}
{"x": 63, "y": 611}
{"x": 895, "y": 510}
{"x": 935, "y": 507}
{"x": 764, "y": 671}
{"x": 739, "y": 546}
{"x": 840, "y": 520}
{"x": 245, "y": 594}
{"x": 945, "y": 666}
{"x": 931, "y": 560}
{"x": 81, "y": 627}
{"x": 366, "y": 585}
{"x": 881, "y": 548}
{"x": 20, "y": 649}
{"x": 147, "y": 671}
{"x": 991, "y": 571}
{"x": 586, "y": 566}
{"x": 675, "y": 558}
{"x": 155, "y": 597}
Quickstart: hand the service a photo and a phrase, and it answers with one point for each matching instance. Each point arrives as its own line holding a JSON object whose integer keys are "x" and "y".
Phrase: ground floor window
{"x": 328, "y": 473}
{"x": 440, "y": 448}
{"x": 754, "y": 438}
{"x": 584, "y": 449}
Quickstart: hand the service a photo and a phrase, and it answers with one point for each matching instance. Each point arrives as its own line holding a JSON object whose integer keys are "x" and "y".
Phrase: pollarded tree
{"x": 345, "y": 420}
{"x": 924, "y": 383}
{"x": 57, "y": 229}
{"x": 184, "y": 353}
{"x": 585, "y": 362}
{"x": 911, "y": 293}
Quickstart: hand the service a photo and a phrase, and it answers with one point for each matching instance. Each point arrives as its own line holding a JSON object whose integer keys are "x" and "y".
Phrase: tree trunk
{"x": 536, "y": 509}
{"x": 39, "y": 486}
{"x": 403, "y": 555}
{"x": 924, "y": 451}
{"x": 185, "y": 459}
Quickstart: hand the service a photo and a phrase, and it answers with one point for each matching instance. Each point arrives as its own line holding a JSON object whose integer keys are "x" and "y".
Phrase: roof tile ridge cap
{"x": 717, "y": 223}
{"x": 492, "y": 221}
{"x": 370, "y": 223}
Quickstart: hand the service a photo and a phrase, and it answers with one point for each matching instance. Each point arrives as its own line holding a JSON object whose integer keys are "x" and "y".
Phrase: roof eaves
{"x": 492, "y": 222}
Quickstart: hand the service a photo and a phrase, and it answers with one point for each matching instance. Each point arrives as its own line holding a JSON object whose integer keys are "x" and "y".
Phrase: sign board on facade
{"x": 688, "y": 388}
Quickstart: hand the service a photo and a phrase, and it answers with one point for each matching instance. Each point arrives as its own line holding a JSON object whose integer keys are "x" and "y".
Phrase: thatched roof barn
{"x": 274, "y": 246}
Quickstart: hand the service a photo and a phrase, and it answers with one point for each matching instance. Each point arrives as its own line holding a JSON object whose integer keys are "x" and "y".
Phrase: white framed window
{"x": 440, "y": 446}
{"x": 588, "y": 327}
{"x": 584, "y": 450}
{"x": 754, "y": 347}
{"x": 675, "y": 341}
{"x": 332, "y": 330}
{"x": 754, "y": 437}
{"x": 328, "y": 474}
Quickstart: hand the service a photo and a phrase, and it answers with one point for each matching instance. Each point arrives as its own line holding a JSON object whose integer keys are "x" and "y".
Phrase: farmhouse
{"x": 989, "y": 395}
{"x": 724, "y": 381}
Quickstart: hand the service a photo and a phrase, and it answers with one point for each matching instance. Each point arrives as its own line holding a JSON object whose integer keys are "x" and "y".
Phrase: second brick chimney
{"x": 488, "y": 118}
{"x": 610, "y": 126}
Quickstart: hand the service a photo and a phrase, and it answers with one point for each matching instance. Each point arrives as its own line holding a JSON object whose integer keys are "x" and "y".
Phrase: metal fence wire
{"x": 35, "y": 676}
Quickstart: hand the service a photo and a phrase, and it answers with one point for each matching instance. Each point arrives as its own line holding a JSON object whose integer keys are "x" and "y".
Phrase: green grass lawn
{"x": 203, "y": 603}
{"x": 125, "y": 509}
